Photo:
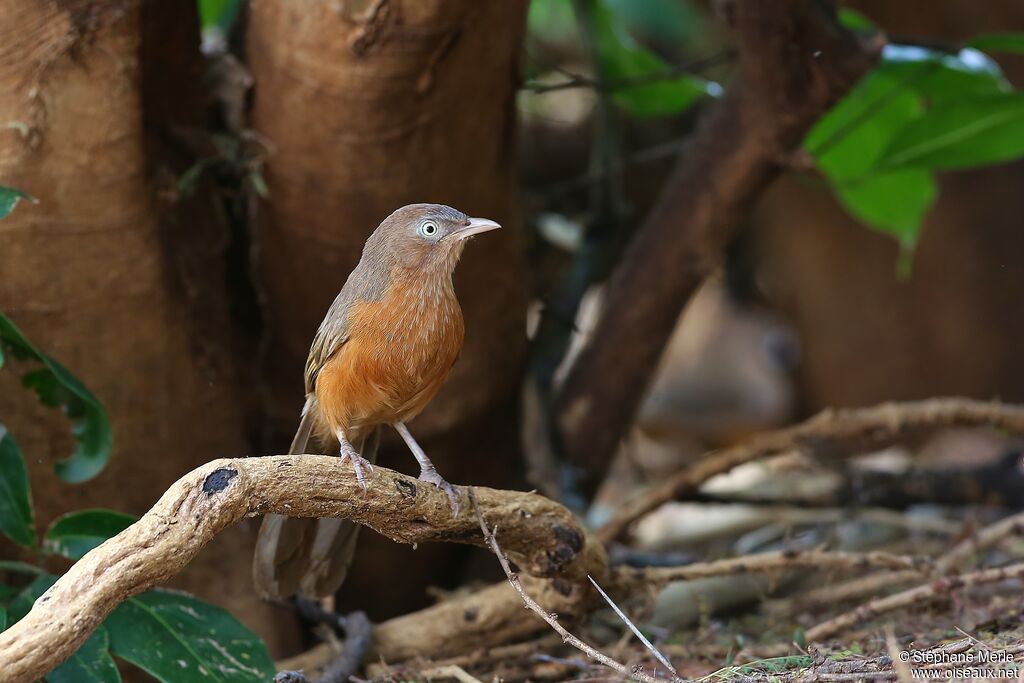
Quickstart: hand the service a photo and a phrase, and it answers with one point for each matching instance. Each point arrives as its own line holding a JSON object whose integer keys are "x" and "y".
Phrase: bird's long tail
{"x": 302, "y": 555}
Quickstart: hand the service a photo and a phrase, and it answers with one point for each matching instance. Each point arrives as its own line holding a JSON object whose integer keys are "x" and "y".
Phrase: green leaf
{"x": 178, "y": 639}
{"x": 622, "y": 59}
{"x": 854, "y": 20}
{"x": 92, "y": 662}
{"x": 999, "y": 42}
{"x": 851, "y": 136}
{"x": 961, "y": 134}
{"x": 76, "y": 533}
{"x": 942, "y": 76}
{"x": 3, "y": 619}
{"x": 57, "y": 387}
{"x": 9, "y": 197}
{"x": 894, "y": 202}
{"x": 15, "y": 499}
{"x": 19, "y": 567}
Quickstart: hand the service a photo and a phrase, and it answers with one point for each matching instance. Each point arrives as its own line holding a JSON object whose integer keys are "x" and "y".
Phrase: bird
{"x": 382, "y": 352}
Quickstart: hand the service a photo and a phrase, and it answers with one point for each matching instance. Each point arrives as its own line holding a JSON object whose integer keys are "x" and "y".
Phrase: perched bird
{"x": 380, "y": 355}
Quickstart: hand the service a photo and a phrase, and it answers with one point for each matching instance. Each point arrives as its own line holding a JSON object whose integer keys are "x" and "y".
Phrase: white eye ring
{"x": 428, "y": 228}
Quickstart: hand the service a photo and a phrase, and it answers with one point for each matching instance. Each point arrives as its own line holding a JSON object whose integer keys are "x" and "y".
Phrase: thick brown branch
{"x": 831, "y": 433}
{"x": 542, "y": 538}
{"x": 794, "y": 62}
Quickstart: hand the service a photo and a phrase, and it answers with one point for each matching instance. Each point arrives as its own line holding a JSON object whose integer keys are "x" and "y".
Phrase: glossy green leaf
{"x": 850, "y": 137}
{"x": 92, "y": 662}
{"x": 961, "y": 134}
{"x": 941, "y": 77}
{"x": 999, "y": 42}
{"x": 9, "y": 197}
{"x": 179, "y": 639}
{"x": 57, "y": 387}
{"x": 894, "y": 202}
{"x": 76, "y": 533}
{"x": 623, "y": 60}
{"x": 16, "y": 520}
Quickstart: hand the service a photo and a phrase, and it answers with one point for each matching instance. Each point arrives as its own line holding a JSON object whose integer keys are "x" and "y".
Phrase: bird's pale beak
{"x": 474, "y": 227}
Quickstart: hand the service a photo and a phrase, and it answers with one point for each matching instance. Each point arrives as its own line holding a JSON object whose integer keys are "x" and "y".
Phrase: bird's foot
{"x": 358, "y": 463}
{"x": 431, "y": 476}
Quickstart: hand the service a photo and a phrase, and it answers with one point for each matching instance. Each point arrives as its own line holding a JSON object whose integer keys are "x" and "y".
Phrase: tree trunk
{"x": 86, "y": 275}
{"x": 367, "y": 106}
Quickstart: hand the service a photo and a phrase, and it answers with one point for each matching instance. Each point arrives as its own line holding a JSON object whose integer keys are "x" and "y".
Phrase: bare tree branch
{"x": 831, "y": 433}
{"x": 794, "y": 62}
{"x": 543, "y": 538}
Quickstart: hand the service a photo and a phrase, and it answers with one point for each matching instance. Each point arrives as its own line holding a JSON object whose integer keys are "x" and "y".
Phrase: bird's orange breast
{"x": 398, "y": 353}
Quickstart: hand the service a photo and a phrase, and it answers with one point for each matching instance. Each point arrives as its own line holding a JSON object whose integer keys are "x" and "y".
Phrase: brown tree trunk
{"x": 367, "y": 106}
{"x": 86, "y": 275}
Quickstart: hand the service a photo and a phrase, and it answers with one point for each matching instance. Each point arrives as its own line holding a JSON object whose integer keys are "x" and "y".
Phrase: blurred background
{"x": 205, "y": 175}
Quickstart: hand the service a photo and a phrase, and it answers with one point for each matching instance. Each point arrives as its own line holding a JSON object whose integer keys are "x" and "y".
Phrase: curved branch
{"x": 541, "y": 537}
{"x": 829, "y": 433}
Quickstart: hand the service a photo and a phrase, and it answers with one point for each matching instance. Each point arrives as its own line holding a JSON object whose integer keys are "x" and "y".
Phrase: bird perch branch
{"x": 540, "y": 536}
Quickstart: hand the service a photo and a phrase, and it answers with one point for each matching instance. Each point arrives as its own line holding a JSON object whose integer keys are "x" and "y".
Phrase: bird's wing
{"x": 330, "y": 336}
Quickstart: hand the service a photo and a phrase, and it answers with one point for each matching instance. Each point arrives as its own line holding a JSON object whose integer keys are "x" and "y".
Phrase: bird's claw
{"x": 432, "y": 477}
{"x": 358, "y": 462}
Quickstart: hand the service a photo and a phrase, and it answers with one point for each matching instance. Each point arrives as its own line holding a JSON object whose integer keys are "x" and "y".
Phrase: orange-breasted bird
{"x": 380, "y": 355}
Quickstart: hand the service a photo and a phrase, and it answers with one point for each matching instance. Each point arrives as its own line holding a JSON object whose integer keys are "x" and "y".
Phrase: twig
{"x": 550, "y": 619}
{"x": 831, "y": 433}
{"x": 927, "y": 592}
{"x": 632, "y": 627}
{"x": 625, "y": 577}
{"x": 984, "y": 538}
{"x": 544, "y": 539}
{"x": 844, "y": 591}
{"x": 449, "y": 671}
{"x": 358, "y": 634}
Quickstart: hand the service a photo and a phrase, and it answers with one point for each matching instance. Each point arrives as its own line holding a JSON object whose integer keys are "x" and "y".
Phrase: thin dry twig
{"x": 551, "y": 619}
{"x": 632, "y": 627}
{"x": 981, "y": 539}
{"x": 449, "y": 671}
{"x": 831, "y": 433}
{"x": 939, "y": 588}
{"x": 625, "y": 577}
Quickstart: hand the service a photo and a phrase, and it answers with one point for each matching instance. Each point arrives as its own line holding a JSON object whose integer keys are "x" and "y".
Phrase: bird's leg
{"x": 428, "y": 472}
{"x": 358, "y": 461}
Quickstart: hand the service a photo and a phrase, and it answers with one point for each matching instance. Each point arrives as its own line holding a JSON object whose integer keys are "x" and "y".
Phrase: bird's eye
{"x": 428, "y": 229}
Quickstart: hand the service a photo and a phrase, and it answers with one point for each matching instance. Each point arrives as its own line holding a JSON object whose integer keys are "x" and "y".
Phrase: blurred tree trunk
{"x": 953, "y": 327}
{"x": 87, "y": 272}
{"x": 367, "y": 106}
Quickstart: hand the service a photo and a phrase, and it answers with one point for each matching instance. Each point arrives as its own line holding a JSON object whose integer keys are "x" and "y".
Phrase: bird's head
{"x": 427, "y": 236}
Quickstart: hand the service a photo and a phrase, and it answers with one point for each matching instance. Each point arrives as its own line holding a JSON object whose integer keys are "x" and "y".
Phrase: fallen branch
{"x": 831, "y": 433}
{"x": 550, "y": 618}
{"x": 543, "y": 538}
{"x": 981, "y": 539}
{"x": 630, "y": 578}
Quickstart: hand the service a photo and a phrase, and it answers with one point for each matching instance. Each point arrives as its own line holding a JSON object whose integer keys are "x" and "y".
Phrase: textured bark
{"x": 367, "y": 106}
{"x": 86, "y": 275}
{"x": 794, "y": 62}
{"x": 540, "y": 535}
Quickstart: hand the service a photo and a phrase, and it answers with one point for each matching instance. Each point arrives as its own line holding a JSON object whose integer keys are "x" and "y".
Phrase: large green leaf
{"x": 15, "y": 499}
{"x": 999, "y": 42}
{"x": 894, "y": 203}
{"x": 622, "y": 59}
{"x": 942, "y": 77}
{"x": 179, "y": 639}
{"x": 9, "y": 197}
{"x": 92, "y": 662}
{"x": 57, "y": 387}
{"x": 76, "y": 533}
{"x": 961, "y": 134}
